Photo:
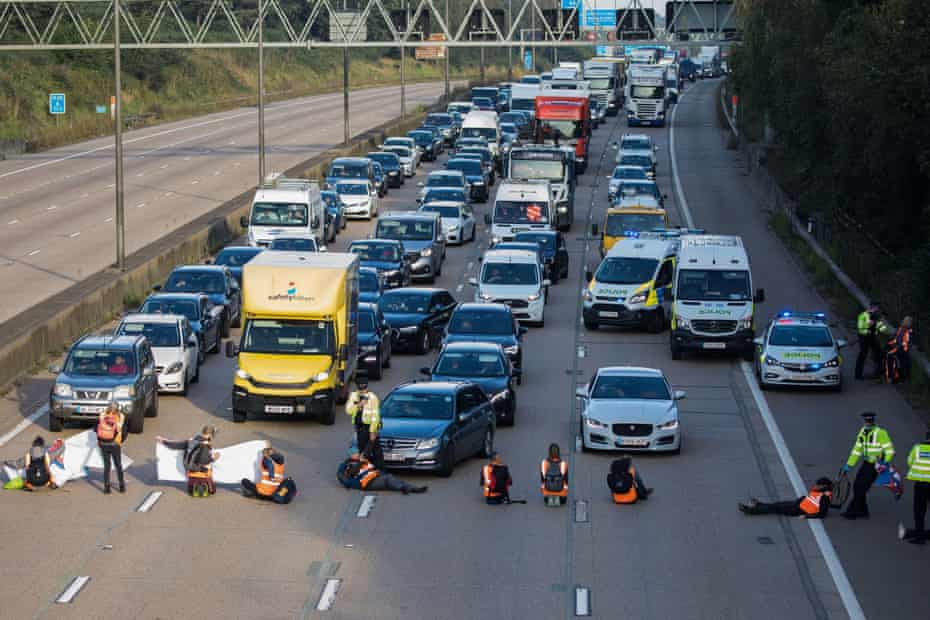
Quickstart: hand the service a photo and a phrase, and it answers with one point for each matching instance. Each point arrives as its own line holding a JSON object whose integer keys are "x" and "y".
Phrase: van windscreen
{"x": 713, "y": 285}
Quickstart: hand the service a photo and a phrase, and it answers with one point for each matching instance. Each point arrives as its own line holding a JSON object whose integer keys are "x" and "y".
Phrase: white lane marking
{"x": 72, "y": 590}
{"x": 163, "y": 166}
{"x": 12, "y": 222}
{"x": 847, "y": 594}
{"x": 237, "y": 164}
{"x": 110, "y": 185}
{"x": 84, "y": 195}
{"x": 140, "y": 205}
{"x": 153, "y": 497}
{"x": 51, "y": 207}
{"x": 168, "y": 194}
{"x": 141, "y": 174}
{"x": 187, "y": 159}
{"x": 108, "y": 220}
{"x": 832, "y": 560}
{"x": 33, "y": 253}
{"x": 328, "y": 596}
{"x": 470, "y": 265}
{"x": 581, "y": 511}
{"x": 582, "y": 601}
{"x": 195, "y": 182}
{"x": 19, "y": 428}
{"x": 217, "y": 173}
{"x": 74, "y": 234}
{"x": 368, "y": 502}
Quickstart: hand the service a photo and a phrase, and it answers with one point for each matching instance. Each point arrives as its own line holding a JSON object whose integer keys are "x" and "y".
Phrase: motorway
{"x": 56, "y": 207}
{"x": 686, "y": 553}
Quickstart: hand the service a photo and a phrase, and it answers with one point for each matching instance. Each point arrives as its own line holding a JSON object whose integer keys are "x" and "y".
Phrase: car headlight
{"x": 587, "y": 295}
{"x": 745, "y": 323}
{"x": 771, "y": 361}
{"x": 670, "y": 425}
{"x": 426, "y": 252}
{"x": 495, "y": 240}
{"x": 320, "y": 377}
{"x": 63, "y": 390}
{"x": 478, "y": 183}
{"x": 533, "y": 297}
{"x": 428, "y": 444}
{"x": 833, "y": 363}
{"x": 393, "y": 273}
{"x": 563, "y": 209}
{"x": 243, "y": 375}
{"x": 409, "y": 330}
{"x": 638, "y": 298}
{"x": 682, "y": 323}
{"x": 485, "y": 297}
{"x": 512, "y": 350}
{"x": 124, "y": 391}
{"x": 452, "y": 227}
{"x": 175, "y": 367}
{"x": 592, "y": 423}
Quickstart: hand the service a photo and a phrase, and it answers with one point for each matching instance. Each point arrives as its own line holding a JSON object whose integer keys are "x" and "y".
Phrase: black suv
{"x": 418, "y": 315}
{"x": 474, "y": 322}
{"x": 219, "y": 285}
{"x": 434, "y": 425}
{"x": 375, "y": 340}
{"x": 101, "y": 369}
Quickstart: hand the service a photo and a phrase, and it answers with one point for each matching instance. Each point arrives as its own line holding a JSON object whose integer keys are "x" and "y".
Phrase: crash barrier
{"x": 787, "y": 206}
{"x": 31, "y": 337}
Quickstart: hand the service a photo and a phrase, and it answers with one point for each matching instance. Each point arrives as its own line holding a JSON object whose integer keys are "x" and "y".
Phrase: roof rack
{"x": 277, "y": 180}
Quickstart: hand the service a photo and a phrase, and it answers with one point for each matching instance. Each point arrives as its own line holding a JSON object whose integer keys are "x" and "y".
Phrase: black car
{"x": 418, "y": 315}
{"x": 437, "y": 135}
{"x": 375, "y": 340}
{"x": 370, "y": 285}
{"x": 385, "y": 255}
{"x": 475, "y": 174}
{"x": 425, "y": 142}
{"x": 446, "y": 125}
{"x": 294, "y": 244}
{"x": 218, "y": 284}
{"x": 554, "y": 251}
{"x": 473, "y": 322}
{"x": 390, "y": 163}
{"x": 434, "y": 425}
{"x": 205, "y": 317}
{"x": 484, "y": 363}
{"x": 234, "y": 257}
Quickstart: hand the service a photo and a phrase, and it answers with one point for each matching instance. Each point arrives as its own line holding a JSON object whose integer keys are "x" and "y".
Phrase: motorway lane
{"x": 58, "y": 205}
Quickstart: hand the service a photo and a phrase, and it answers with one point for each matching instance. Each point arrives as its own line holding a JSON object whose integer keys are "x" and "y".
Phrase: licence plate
{"x": 802, "y": 378}
{"x": 394, "y": 458}
{"x": 714, "y": 345}
{"x": 91, "y": 409}
{"x": 636, "y": 443}
{"x": 279, "y": 409}
{"x": 608, "y": 315}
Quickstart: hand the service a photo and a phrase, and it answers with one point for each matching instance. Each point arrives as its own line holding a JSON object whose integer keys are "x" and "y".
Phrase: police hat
{"x": 361, "y": 379}
{"x": 868, "y": 416}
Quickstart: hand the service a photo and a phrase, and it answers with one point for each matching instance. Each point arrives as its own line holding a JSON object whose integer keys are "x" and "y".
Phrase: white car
{"x": 514, "y": 278}
{"x": 621, "y": 174}
{"x": 458, "y": 220}
{"x": 798, "y": 349}
{"x": 174, "y": 345}
{"x": 410, "y": 143}
{"x": 443, "y": 178}
{"x": 359, "y": 197}
{"x": 408, "y": 158}
{"x": 632, "y": 409}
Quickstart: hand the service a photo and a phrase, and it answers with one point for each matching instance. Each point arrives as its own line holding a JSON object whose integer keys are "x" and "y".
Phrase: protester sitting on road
{"x": 357, "y": 472}
{"x": 496, "y": 481}
{"x": 37, "y": 466}
{"x": 198, "y": 460}
{"x": 625, "y": 483}
{"x": 272, "y": 475}
{"x": 814, "y": 505}
{"x": 553, "y": 477}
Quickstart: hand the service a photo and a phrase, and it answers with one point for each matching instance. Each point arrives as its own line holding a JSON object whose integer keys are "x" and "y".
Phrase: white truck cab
{"x": 520, "y": 206}
{"x": 283, "y": 206}
{"x": 714, "y": 303}
{"x": 485, "y": 125}
{"x": 646, "y": 96}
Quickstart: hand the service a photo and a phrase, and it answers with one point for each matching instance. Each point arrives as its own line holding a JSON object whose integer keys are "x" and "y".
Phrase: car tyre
{"x": 591, "y": 325}
{"x": 201, "y": 354}
{"x": 238, "y": 416}
{"x": 447, "y": 461}
{"x": 328, "y": 418}
{"x": 424, "y": 344}
{"x": 375, "y": 371}
{"x": 185, "y": 385}
{"x": 55, "y": 424}
{"x": 196, "y": 377}
{"x": 487, "y": 444}
{"x": 584, "y": 446}
{"x": 676, "y": 351}
{"x": 136, "y": 424}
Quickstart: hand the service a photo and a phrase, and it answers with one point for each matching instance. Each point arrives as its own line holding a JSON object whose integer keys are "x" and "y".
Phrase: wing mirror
{"x": 231, "y": 349}
{"x": 244, "y": 221}
{"x": 840, "y": 343}
{"x": 758, "y": 341}
{"x": 487, "y": 219}
{"x": 582, "y": 392}
{"x": 680, "y": 394}
{"x": 463, "y": 417}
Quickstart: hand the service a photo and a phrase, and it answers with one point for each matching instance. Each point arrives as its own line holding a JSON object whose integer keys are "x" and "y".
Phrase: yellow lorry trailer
{"x": 299, "y": 343}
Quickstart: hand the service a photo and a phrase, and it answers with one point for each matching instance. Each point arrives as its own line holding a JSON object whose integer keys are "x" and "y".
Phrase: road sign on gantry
{"x": 56, "y": 103}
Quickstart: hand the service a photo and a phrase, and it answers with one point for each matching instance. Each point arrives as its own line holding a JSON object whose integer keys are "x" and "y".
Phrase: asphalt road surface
{"x": 686, "y": 553}
{"x": 57, "y": 207}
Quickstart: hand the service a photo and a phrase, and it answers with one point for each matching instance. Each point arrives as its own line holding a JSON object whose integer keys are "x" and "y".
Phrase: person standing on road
{"x": 553, "y": 477}
{"x": 814, "y": 505}
{"x": 918, "y": 462}
{"x": 873, "y": 445}
{"x": 111, "y": 429}
{"x": 365, "y": 409}
{"x": 901, "y": 349}
{"x": 496, "y": 481}
{"x": 866, "y": 328}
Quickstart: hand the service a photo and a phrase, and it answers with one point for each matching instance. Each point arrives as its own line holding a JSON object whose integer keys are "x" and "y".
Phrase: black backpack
{"x": 620, "y": 480}
{"x": 194, "y": 459}
{"x": 554, "y": 481}
{"x": 499, "y": 477}
{"x": 37, "y": 473}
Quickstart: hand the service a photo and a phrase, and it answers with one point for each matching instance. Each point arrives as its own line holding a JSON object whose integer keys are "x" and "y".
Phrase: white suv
{"x": 514, "y": 278}
{"x": 174, "y": 346}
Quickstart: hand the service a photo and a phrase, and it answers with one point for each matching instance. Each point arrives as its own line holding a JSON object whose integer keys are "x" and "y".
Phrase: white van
{"x": 520, "y": 206}
{"x": 282, "y": 206}
{"x": 483, "y": 124}
{"x": 713, "y": 297}
{"x": 514, "y": 278}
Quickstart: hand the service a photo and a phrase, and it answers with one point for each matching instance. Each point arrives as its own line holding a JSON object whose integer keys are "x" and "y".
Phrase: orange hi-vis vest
{"x": 810, "y": 505}
{"x": 110, "y": 427}
{"x": 366, "y": 474}
{"x": 487, "y": 477}
{"x": 631, "y": 495}
{"x": 544, "y": 469}
{"x": 271, "y": 480}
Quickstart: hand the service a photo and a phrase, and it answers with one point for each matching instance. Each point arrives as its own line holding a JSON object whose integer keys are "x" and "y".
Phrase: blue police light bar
{"x": 787, "y": 314}
{"x": 631, "y": 234}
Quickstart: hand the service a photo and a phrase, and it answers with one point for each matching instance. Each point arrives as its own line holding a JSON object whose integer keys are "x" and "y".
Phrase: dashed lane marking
{"x": 69, "y": 593}
{"x": 368, "y": 503}
{"x": 328, "y": 595}
{"x": 12, "y": 222}
{"x": 33, "y": 253}
{"x": 582, "y": 601}
{"x": 74, "y": 234}
{"x": 150, "y": 501}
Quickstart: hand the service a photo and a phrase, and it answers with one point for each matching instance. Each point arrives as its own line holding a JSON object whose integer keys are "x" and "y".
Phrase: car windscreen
{"x": 158, "y": 334}
{"x": 189, "y": 309}
{"x": 623, "y": 270}
{"x": 513, "y": 117}
{"x": 509, "y": 128}
{"x": 236, "y": 257}
{"x": 100, "y": 363}
{"x": 417, "y": 406}
{"x": 481, "y": 322}
{"x": 348, "y": 171}
{"x": 635, "y": 144}
{"x": 469, "y": 364}
{"x": 520, "y": 212}
{"x": 189, "y": 281}
{"x": 366, "y": 322}
{"x": 288, "y": 337}
{"x": 618, "y": 387}
{"x": 412, "y": 230}
{"x": 713, "y": 285}
{"x": 643, "y": 161}
{"x": 800, "y": 336}
{"x": 278, "y": 214}
{"x": 444, "y": 194}
{"x": 629, "y": 172}
{"x": 488, "y": 133}
{"x": 620, "y": 224}
{"x": 440, "y": 120}
{"x": 546, "y": 241}
{"x": 443, "y": 211}
{"x": 368, "y": 282}
{"x": 466, "y": 166}
{"x": 537, "y": 169}
{"x": 513, "y": 274}
{"x": 294, "y": 244}
{"x": 523, "y": 104}
{"x": 404, "y": 142}
{"x": 405, "y": 303}
{"x": 352, "y": 189}
{"x": 387, "y": 160}
{"x": 647, "y": 92}
{"x": 372, "y": 251}
{"x": 631, "y": 187}
{"x": 443, "y": 180}
{"x": 552, "y": 129}
{"x": 400, "y": 151}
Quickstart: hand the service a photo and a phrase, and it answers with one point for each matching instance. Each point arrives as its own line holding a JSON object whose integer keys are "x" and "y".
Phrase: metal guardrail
{"x": 854, "y": 290}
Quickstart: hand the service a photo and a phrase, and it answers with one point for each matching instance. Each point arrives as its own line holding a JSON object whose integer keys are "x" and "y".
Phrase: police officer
{"x": 873, "y": 446}
{"x": 918, "y": 462}
{"x": 866, "y": 325}
{"x": 365, "y": 410}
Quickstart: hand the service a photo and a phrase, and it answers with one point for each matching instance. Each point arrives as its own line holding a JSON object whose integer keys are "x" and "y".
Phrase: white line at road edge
{"x": 5, "y": 439}
{"x": 840, "y": 579}
{"x": 582, "y": 601}
{"x": 328, "y": 596}
{"x": 72, "y": 590}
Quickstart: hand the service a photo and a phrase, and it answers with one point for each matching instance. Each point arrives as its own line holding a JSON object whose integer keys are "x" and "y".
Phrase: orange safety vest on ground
{"x": 366, "y": 474}
{"x": 810, "y": 505}
{"x": 631, "y": 495}
{"x": 486, "y": 477}
{"x": 271, "y": 480}
{"x": 544, "y": 469}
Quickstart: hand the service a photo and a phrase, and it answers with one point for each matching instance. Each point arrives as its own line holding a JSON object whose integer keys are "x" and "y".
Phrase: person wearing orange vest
{"x": 357, "y": 472}
{"x": 272, "y": 475}
{"x": 900, "y": 347}
{"x": 814, "y": 505}
{"x": 625, "y": 484}
{"x": 111, "y": 429}
{"x": 553, "y": 477}
{"x": 198, "y": 460}
{"x": 496, "y": 481}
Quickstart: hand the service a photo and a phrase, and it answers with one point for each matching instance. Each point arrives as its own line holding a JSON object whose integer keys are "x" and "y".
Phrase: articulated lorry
{"x": 646, "y": 96}
{"x": 709, "y": 58}
{"x": 565, "y": 120}
{"x": 604, "y": 82}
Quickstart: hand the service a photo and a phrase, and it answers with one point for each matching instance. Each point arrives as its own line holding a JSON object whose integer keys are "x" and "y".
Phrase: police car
{"x": 798, "y": 349}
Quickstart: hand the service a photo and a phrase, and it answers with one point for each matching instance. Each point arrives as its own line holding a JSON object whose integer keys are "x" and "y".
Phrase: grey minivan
{"x": 423, "y": 239}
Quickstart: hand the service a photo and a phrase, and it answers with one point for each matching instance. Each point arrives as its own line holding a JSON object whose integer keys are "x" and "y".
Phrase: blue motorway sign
{"x": 56, "y": 103}
{"x": 598, "y": 18}
{"x": 528, "y": 60}
{"x": 568, "y": 5}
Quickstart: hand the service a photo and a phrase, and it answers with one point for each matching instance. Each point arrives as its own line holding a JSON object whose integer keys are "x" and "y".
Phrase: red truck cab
{"x": 565, "y": 120}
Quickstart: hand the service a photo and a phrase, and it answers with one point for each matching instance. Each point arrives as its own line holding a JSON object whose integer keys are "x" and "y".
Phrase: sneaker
{"x": 106, "y": 490}
{"x": 902, "y": 531}
{"x": 743, "y": 508}
{"x": 122, "y": 488}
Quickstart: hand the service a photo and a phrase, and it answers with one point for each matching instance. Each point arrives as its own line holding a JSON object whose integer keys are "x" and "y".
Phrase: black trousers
{"x": 363, "y": 438}
{"x": 788, "y": 509}
{"x": 921, "y": 500}
{"x": 867, "y": 344}
{"x": 112, "y": 456}
{"x": 904, "y": 364}
{"x": 387, "y": 482}
{"x": 865, "y": 477}
{"x": 250, "y": 490}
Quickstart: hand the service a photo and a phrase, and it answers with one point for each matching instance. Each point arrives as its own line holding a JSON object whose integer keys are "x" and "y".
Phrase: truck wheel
{"x": 238, "y": 416}
{"x": 136, "y": 424}
{"x": 55, "y": 424}
{"x": 329, "y": 416}
{"x": 224, "y": 329}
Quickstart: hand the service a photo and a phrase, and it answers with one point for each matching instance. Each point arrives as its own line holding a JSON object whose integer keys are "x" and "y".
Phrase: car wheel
{"x": 487, "y": 444}
{"x": 375, "y": 371}
{"x": 196, "y": 377}
{"x": 555, "y": 275}
{"x": 590, "y": 325}
{"x": 512, "y": 412}
{"x": 439, "y": 268}
{"x": 238, "y": 416}
{"x": 237, "y": 323}
{"x": 676, "y": 351}
{"x": 423, "y": 346}
{"x": 328, "y": 418}
{"x": 584, "y": 446}
{"x": 55, "y": 424}
{"x": 343, "y": 394}
{"x": 136, "y": 424}
{"x": 224, "y": 330}
{"x": 201, "y": 353}
{"x": 447, "y": 461}
{"x": 184, "y": 386}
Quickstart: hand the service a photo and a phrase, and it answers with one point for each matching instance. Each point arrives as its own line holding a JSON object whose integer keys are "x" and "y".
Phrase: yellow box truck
{"x": 299, "y": 343}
